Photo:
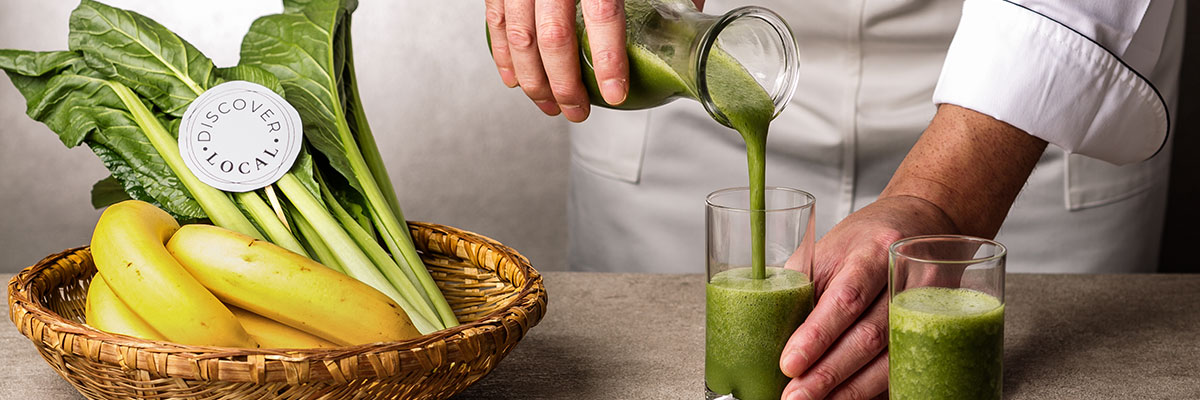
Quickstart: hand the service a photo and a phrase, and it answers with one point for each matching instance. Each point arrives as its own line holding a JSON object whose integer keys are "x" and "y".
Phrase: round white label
{"x": 240, "y": 136}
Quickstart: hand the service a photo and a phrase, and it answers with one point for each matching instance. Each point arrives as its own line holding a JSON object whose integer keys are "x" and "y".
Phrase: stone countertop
{"x": 623, "y": 336}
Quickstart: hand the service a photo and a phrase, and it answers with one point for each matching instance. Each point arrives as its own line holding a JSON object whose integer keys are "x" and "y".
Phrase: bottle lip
{"x": 782, "y": 96}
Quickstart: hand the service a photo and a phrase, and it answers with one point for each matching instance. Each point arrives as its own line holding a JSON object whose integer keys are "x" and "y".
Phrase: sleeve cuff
{"x": 1036, "y": 74}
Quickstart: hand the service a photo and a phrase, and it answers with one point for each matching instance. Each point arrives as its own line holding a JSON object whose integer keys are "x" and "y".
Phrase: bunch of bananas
{"x": 207, "y": 286}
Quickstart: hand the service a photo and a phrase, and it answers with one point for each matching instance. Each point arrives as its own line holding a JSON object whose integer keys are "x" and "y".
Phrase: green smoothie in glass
{"x": 751, "y": 311}
{"x": 748, "y": 321}
{"x": 945, "y": 344}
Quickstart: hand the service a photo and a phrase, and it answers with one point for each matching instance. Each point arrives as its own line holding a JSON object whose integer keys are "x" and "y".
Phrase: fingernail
{"x": 507, "y": 76}
{"x": 786, "y": 363}
{"x": 793, "y": 362}
{"x": 548, "y": 107}
{"x": 614, "y": 91}
{"x": 800, "y": 395}
{"x": 574, "y": 112}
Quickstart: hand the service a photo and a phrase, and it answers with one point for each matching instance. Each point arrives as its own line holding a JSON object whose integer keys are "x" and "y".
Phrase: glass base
{"x": 711, "y": 395}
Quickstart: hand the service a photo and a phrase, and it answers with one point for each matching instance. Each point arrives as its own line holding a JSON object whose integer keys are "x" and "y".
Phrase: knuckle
{"x": 565, "y": 93}
{"x": 519, "y": 37}
{"x": 554, "y": 35}
{"x": 824, "y": 378}
{"x": 884, "y": 238}
{"x": 816, "y": 337}
{"x": 873, "y": 337}
{"x": 604, "y": 11}
{"x": 495, "y": 17}
{"x": 849, "y": 299}
{"x": 606, "y": 58}
{"x": 536, "y": 90}
{"x": 852, "y": 392}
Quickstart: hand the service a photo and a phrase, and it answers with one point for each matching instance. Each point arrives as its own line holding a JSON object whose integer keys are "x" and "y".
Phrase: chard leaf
{"x": 299, "y": 48}
{"x": 109, "y": 191}
{"x": 81, "y": 108}
{"x": 136, "y": 51}
{"x": 250, "y": 73}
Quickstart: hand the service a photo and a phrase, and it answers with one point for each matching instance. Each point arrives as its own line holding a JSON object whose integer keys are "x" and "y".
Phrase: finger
{"x": 605, "y": 24}
{"x": 527, "y": 62}
{"x": 497, "y": 34}
{"x": 848, "y": 295}
{"x": 560, "y": 57}
{"x": 862, "y": 343}
{"x": 868, "y": 383}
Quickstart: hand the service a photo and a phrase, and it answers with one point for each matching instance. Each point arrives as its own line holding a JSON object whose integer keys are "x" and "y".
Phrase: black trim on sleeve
{"x": 1166, "y": 110}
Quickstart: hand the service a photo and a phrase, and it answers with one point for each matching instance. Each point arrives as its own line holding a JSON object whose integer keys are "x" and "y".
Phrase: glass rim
{"x": 1002, "y": 251}
{"x": 809, "y": 199}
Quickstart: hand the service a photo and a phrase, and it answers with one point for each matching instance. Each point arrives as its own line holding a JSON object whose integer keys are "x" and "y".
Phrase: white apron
{"x": 638, "y": 179}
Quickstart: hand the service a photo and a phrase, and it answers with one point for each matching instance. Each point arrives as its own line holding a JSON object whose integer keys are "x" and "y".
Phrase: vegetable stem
{"x": 265, "y": 217}
{"x": 344, "y": 248}
{"x": 380, "y": 258}
{"x": 315, "y": 244}
{"x": 216, "y": 204}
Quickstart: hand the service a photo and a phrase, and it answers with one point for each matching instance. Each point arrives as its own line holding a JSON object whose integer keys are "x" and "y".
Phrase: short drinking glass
{"x": 945, "y": 318}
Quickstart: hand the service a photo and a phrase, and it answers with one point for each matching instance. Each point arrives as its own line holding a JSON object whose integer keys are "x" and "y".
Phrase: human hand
{"x": 534, "y": 46}
{"x": 838, "y": 352}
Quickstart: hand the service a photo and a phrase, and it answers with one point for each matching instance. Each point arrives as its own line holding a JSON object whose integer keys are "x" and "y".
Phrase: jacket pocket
{"x": 1093, "y": 183}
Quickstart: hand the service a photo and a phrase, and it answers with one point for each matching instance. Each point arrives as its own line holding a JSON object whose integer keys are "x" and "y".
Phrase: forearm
{"x": 969, "y": 167}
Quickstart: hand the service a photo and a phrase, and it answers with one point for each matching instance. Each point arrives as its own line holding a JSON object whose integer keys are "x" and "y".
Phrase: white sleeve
{"x": 1069, "y": 72}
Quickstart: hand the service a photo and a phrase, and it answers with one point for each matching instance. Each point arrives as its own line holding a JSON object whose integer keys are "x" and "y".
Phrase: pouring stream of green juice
{"x": 675, "y": 51}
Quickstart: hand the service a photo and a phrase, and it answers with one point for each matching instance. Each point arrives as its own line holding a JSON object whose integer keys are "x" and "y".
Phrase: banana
{"x": 274, "y": 335}
{"x": 107, "y": 313}
{"x": 289, "y": 288}
{"x": 128, "y": 250}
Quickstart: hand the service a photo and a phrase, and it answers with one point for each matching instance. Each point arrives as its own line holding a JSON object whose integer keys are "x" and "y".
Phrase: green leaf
{"x": 250, "y": 73}
{"x": 108, "y": 191}
{"x": 140, "y": 53}
{"x": 73, "y": 102}
{"x": 299, "y": 48}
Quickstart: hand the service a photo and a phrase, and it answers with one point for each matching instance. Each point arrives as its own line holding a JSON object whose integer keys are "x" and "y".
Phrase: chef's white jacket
{"x": 1094, "y": 78}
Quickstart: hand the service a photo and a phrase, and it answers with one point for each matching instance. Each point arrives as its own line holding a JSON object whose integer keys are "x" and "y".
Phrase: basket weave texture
{"x": 493, "y": 290}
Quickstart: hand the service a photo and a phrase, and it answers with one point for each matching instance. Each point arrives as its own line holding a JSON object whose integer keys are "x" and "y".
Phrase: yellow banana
{"x": 107, "y": 313}
{"x": 289, "y": 288}
{"x": 128, "y": 248}
{"x": 274, "y": 335}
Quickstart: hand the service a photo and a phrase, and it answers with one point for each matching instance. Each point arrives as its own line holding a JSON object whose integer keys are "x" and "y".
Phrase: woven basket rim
{"x": 527, "y": 307}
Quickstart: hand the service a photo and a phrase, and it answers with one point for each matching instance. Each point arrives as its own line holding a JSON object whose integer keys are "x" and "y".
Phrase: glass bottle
{"x": 677, "y": 51}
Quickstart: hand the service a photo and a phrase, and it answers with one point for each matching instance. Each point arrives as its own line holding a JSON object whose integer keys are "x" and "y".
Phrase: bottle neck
{"x": 744, "y": 46}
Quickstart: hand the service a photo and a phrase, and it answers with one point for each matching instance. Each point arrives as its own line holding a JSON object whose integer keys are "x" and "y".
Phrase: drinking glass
{"x": 945, "y": 318}
{"x": 747, "y": 319}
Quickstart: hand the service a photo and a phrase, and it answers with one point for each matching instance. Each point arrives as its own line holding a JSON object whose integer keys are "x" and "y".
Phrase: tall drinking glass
{"x": 945, "y": 318}
{"x": 749, "y": 320}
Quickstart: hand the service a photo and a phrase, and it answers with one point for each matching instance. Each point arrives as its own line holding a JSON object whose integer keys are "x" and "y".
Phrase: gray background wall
{"x": 462, "y": 149}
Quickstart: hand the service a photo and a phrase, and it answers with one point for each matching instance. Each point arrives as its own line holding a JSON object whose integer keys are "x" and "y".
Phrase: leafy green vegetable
{"x": 108, "y": 191}
{"x": 307, "y": 47}
{"x": 141, "y": 54}
{"x": 126, "y": 82}
{"x": 66, "y": 95}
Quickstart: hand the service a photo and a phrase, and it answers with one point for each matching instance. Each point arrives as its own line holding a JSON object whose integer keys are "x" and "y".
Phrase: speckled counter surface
{"x": 638, "y": 336}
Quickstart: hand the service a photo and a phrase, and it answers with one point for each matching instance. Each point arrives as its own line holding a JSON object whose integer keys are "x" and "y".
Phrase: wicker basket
{"x": 494, "y": 291}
